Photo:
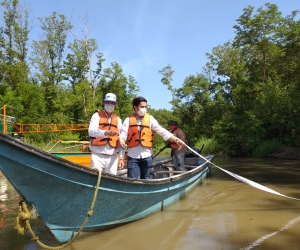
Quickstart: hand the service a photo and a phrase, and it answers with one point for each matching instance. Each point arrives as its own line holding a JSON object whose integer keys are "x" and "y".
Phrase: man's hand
{"x": 121, "y": 164}
{"x": 180, "y": 143}
{"x": 110, "y": 133}
{"x": 122, "y": 143}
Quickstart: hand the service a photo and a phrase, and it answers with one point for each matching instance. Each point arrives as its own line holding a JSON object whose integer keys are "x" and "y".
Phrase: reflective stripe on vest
{"x": 105, "y": 125}
{"x": 139, "y": 134}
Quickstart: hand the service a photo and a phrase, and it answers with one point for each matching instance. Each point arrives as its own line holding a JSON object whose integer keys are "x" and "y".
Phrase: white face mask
{"x": 142, "y": 111}
{"x": 109, "y": 108}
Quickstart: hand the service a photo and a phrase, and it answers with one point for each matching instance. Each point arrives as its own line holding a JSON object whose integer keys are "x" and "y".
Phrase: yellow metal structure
{"x": 32, "y": 128}
{"x": 4, "y": 120}
{"x": 37, "y": 128}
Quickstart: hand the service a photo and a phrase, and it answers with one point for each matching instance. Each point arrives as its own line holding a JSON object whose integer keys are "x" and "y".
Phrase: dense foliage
{"x": 55, "y": 82}
{"x": 247, "y": 94}
{"x": 245, "y": 97}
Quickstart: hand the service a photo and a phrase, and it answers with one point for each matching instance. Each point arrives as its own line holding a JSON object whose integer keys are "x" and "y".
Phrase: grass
{"x": 266, "y": 148}
{"x": 209, "y": 146}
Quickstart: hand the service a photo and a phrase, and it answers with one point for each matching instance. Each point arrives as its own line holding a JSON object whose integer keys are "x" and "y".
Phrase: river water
{"x": 220, "y": 213}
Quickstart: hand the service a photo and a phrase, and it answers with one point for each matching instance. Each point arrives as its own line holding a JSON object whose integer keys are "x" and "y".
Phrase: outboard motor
{"x": 192, "y": 154}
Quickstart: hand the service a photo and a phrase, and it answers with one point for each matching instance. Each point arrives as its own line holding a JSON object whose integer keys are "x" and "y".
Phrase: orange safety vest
{"x": 174, "y": 144}
{"x": 105, "y": 125}
{"x": 136, "y": 136}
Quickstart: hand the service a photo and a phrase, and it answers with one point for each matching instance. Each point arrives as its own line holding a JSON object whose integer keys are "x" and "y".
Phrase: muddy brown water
{"x": 220, "y": 213}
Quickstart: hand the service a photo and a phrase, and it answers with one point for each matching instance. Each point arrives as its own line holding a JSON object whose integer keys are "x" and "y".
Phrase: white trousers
{"x": 107, "y": 163}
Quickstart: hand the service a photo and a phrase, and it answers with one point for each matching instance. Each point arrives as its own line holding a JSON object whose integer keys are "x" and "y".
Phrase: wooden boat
{"x": 80, "y": 158}
{"x": 62, "y": 191}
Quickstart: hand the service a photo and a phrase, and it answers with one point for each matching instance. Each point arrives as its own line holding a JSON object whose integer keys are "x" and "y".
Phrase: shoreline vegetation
{"x": 265, "y": 150}
{"x": 286, "y": 154}
{"x": 268, "y": 149}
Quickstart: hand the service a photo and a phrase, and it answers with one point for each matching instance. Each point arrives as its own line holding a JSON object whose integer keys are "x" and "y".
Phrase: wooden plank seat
{"x": 164, "y": 174}
{"x": 165, "y": 171}
{"x": 190, "y": 167}
{"x": 171, "y": 171}
{"x": 170, "y": 167}
{"x": 157, "y": 174}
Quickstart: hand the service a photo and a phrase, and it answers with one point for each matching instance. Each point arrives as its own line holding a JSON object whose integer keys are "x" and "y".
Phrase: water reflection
{"x": 3, "y": 198}
{"x": 220, "y": 213}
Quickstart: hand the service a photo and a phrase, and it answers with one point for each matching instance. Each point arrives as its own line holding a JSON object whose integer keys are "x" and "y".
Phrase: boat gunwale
{"x": 46, "y": 155}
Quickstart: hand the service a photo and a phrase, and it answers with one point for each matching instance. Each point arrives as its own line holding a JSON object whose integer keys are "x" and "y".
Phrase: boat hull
{"x": 62, "y": 191}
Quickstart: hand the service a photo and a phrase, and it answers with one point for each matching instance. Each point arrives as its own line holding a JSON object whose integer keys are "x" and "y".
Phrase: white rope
{"x": 54, "y": 145}
{"x": 77, "y": 145}
{"x": 48, "y": 145}
{"x": 243, "y": 179}
{"x": 265, "y": 237}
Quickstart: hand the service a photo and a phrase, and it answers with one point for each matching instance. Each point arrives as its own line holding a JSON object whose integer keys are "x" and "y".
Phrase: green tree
{"x": 248, "y": 91}
{"x": 76, "y": 69}
{"x": 257, "y": 77}
{"x": 163, "y": 116}
{"x": 47, "y": 58}
{"x": 13, "y": 43}
{"x": 114, "y": 81}
{"x": 22, "y": 96}
{"x": 193, "y": 104}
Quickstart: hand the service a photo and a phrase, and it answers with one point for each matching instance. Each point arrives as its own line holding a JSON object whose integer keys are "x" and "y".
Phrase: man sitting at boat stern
{"x": 104, "y": 130}
{"x": 178, "y": 153}
{"x": 137, "y": 130}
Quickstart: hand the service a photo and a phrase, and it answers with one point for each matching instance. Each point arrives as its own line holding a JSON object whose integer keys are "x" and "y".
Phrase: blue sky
{"x": 144, "y": 36}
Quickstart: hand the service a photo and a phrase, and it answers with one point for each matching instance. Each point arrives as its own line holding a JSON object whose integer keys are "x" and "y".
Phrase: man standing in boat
{"x": 104, "y": 132}
{"x": 137, "y": 130}
{"x": 178, "y": 153}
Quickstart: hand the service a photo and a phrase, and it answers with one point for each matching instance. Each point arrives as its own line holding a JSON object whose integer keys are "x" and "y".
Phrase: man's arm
{"x": 124, "y": 132}
{"x": 94, "y": 130}
{"x": 165, "y": 134}
{"x": 120, "y": 149}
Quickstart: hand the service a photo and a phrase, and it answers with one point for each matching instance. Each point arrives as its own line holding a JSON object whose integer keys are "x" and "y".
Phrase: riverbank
{"x": 286, "y": 154}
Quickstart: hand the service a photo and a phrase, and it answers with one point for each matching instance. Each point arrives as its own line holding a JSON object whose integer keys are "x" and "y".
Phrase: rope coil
{"x": 22, "y": 221}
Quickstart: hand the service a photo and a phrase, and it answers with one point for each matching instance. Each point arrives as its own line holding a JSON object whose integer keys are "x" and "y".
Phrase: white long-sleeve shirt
{"x": 94, "y": 131}
{"x": 140, "y": 152}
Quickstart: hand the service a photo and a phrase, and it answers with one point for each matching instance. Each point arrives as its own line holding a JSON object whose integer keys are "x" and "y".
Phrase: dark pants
{"x": 136, "y": 167}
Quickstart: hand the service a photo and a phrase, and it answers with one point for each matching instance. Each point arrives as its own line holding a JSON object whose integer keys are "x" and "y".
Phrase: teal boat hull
{"x": 62, "y": 191}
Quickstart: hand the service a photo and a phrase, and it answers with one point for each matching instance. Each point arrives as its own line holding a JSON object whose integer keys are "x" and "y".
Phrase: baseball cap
{"x": 110, "y": 97}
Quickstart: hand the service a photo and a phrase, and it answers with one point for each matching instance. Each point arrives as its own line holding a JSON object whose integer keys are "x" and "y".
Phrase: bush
{"x": 265, "y": 148}
{"x": 210, "y": 146}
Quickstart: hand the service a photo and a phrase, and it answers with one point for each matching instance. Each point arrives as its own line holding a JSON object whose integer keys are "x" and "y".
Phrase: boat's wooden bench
{"x": 170, "y": 171}
{"x": 171, "y": 167}
{"x": 168, "y": 165}
{"x": 165, "y": 171}
{"x": 190, "y": 167}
